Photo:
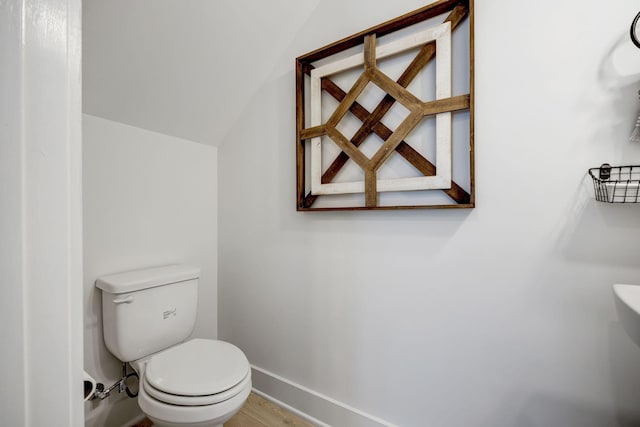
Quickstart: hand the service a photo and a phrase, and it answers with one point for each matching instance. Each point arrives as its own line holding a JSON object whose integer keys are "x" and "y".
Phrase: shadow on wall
{"x": 624, "y": 358}
{"x": 548, "y": 410}
{"x": 601, "y": 233}
{"x": 526, "y": 408}
{"x": 620, "y": 66}
{"x": 117, "y": 410}
{"x": 619, "y": 78}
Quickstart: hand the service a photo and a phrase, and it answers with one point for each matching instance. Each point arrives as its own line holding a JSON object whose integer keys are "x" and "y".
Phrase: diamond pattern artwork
{"x": 417, "y": 36}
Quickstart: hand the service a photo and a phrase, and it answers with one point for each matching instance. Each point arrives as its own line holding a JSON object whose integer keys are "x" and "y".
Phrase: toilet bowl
{"x": 147, "y": 317}
{"x": 200, "y": 383}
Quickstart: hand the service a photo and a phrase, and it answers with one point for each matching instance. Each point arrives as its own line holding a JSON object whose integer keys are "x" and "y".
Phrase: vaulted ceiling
{"x": 189, "y": 68}
{"x": 183, "y": 68}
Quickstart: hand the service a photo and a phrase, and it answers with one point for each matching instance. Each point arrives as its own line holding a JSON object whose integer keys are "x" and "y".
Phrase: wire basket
{"x": 616, "y": 184}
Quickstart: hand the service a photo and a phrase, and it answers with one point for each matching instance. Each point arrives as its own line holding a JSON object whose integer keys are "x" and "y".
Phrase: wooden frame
{"x": 314, "y": 74}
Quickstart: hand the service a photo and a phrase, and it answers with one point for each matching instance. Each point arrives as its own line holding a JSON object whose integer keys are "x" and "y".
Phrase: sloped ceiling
{"x": 189, "y": 68}
{"x": 184, "y": 68}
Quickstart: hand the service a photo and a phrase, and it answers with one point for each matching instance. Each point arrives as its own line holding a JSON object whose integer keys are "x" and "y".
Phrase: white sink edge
{"x": 627, "y": 302}
{"x": 626, "y": 293}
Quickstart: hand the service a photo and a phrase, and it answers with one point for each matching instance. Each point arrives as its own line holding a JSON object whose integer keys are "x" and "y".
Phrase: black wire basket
{"x": 616, "y": 184}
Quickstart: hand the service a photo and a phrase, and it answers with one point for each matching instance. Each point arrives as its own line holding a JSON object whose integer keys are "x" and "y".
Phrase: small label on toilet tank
{"x": 169, "y": 313}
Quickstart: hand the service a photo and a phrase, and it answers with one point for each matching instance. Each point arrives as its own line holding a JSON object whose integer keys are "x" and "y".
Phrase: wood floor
{"x": 258, "y": 412}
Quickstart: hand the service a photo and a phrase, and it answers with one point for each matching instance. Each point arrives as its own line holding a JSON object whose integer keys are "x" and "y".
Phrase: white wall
{"x": 149, "y": 199}
{"x": 499, "y": 316}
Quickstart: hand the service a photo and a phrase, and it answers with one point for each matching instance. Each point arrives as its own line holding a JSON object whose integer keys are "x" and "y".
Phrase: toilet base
{"x": 165, "y": 415}
{"x": 160, "y": 423}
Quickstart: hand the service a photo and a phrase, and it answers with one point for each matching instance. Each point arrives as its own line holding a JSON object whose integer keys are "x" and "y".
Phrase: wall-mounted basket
{"x": 616, "y": 184}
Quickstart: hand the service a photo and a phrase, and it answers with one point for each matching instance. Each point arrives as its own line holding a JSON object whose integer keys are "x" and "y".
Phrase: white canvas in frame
{"x": 441, "y": 34}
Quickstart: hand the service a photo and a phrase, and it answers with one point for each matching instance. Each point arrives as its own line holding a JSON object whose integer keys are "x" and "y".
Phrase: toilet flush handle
{"x": 125, "y": 300}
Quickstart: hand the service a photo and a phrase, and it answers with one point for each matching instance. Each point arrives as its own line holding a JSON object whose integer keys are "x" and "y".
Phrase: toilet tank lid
{"x": 136, "y": 280}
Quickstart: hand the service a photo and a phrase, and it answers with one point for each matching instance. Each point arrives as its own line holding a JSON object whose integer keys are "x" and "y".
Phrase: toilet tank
{"x": 145, "y": 311}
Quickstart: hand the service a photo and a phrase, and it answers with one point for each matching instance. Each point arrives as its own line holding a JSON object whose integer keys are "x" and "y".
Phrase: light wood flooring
{"x": 257, "y": 412}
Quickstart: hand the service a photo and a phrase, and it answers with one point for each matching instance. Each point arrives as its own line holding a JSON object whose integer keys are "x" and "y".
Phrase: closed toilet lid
{"x": 197, "y": 368}
{"x": 211, "y": 399}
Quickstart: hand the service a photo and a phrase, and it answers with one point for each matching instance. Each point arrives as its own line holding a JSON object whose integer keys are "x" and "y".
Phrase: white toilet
{"x": 147, "y": 315}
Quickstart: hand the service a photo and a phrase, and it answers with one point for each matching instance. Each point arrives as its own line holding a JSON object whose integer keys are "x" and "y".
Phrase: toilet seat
{"x": 212, "y": 399}
{"x": 163, "y": 413}
{"x": 197, "y": 372}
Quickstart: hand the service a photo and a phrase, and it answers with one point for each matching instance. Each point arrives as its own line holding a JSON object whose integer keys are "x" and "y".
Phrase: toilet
{"x": 147, "y": 317}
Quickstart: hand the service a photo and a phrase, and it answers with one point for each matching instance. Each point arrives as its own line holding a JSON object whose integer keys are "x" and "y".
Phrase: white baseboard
{"x": 318, "y": 409}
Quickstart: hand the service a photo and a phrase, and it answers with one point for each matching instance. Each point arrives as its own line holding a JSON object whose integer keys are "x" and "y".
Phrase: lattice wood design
{"x": 313, "y": 75}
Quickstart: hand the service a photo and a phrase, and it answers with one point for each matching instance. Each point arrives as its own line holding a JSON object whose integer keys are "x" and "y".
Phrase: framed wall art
{"x": 385, "y": 117}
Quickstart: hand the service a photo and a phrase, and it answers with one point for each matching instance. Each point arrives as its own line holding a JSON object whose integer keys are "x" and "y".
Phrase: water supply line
{"x": 122, "y": 385}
